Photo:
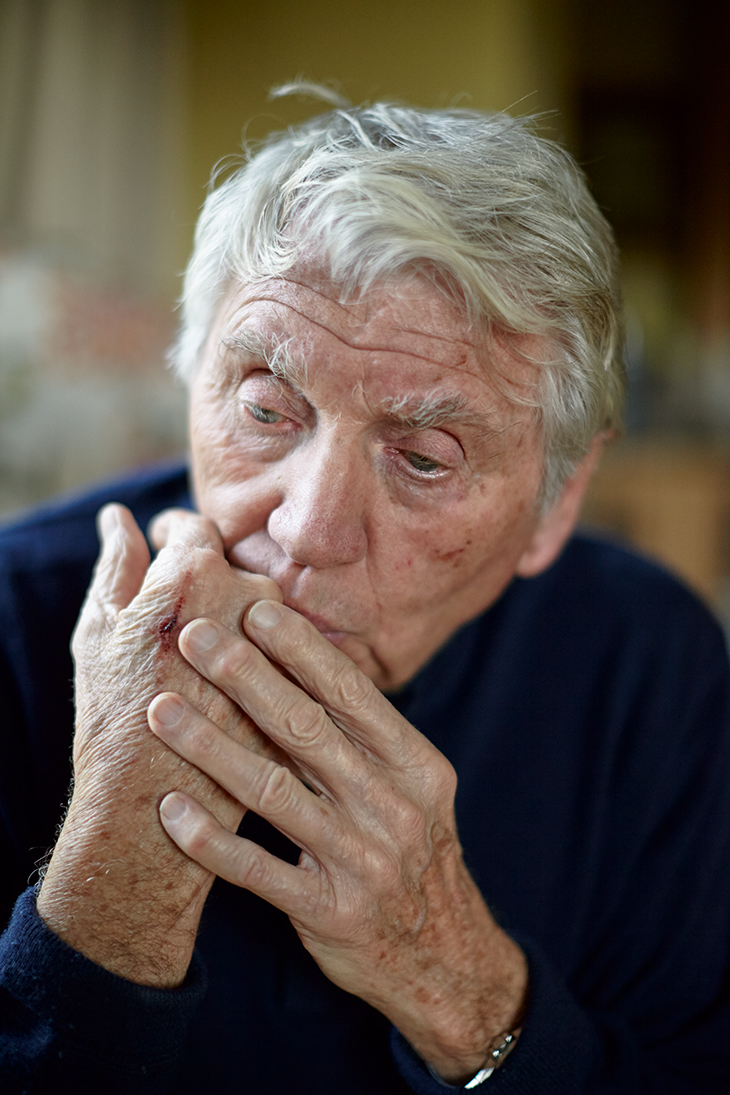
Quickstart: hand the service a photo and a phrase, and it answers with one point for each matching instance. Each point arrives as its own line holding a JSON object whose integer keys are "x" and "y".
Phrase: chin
{"x": 365, "y": 660}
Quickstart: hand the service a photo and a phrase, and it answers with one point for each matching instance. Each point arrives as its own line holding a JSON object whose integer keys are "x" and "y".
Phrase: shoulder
{"x": 625, "y": 632}
{"x": 607, "y": 587}
{"x": 48, "y": 554}
{"x": 46, "y": 560}
{"x": 64, "y": 530}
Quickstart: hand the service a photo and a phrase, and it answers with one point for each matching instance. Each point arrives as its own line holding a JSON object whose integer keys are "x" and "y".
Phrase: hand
{"x": 380, "y": 896}
{"x": 116, "y": 888}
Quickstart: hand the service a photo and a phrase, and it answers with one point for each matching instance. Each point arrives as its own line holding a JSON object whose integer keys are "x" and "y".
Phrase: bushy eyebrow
{"x": 435, "y": 411}
{"x": 273, "y": 352}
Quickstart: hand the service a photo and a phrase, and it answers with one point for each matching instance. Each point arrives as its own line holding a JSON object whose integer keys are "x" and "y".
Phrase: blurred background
{"x": 113, "y": 112}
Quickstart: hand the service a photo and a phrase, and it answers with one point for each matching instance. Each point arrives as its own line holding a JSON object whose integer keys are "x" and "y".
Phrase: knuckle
{"x": 409, "y": 821}
{"x": 184, "y": 559}
{"x": 206, "y": 528}
{"x": 207, "y": 560}
{"x": 236, "y": 662}
{"x": 265, "y": 588}
{"x": 312, "y": 904}
{"x": 79, "y": 637}
{"x": 174, "y": 556}
{"x": 352, "y": 689}
{"x": 307, "y": 722}
{"x": 90, "y": 628}
{"x": 296, "y": 639}
{"x": 200, "y": 837}
{"x": 381, "y": 869}
{"x": 193, "y": 529}
{"x": 277, "y": 789}
{"x": 200, "y": 741}
{"x": 253, "y": 872}
{"x": 257, "y": 587}
{"x": 446, "y": 778}
{"x": 437, "y": 776}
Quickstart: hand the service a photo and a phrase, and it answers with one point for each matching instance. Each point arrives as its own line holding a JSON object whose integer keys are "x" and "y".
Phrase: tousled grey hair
{"x": 500, "y": 218}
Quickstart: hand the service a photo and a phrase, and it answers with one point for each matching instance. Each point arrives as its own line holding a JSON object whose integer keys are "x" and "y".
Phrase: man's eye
{"x": 264, "y": 414}
{"x": 421, "y": 463}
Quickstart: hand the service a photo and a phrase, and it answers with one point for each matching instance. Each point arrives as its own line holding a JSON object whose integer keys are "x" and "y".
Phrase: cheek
{"x": 206, "y": 440}
{"x": 453, "y": 555}
{"x": 218, "y": 465}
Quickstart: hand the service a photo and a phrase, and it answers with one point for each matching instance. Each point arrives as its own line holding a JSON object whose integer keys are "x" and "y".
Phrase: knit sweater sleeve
{"x": 69, "y": 1025}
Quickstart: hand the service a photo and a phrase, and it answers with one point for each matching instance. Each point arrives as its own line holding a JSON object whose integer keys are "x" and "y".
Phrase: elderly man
{"x": 401, "y": 337}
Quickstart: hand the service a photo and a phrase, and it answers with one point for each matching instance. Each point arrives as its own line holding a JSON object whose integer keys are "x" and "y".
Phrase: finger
{"x": 238, "y": 860}
{"x": 256, "y": 586}
{"x": 184, "y": 526}
{"x": 259, "y": 783}
{"x": 186, "y": 529}
{"x": 123, "y": 559}
{"x": 350, "y": 698}
{"x": 292, "y": 719}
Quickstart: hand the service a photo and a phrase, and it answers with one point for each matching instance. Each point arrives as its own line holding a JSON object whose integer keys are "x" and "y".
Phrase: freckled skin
{"x": 103, "y": 877}
{"x": 324, "y": 499}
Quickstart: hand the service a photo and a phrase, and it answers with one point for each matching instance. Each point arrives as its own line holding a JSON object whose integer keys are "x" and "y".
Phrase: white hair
{"x": 500, "y": 218}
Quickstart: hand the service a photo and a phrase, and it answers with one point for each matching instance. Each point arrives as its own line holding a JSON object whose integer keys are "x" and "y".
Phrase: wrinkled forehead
{"x": 408, "y": 305}
{"x": 281, "y": 319}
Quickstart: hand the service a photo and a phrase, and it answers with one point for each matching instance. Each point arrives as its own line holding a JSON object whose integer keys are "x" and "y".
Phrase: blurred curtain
{"x": 90, "y": 131}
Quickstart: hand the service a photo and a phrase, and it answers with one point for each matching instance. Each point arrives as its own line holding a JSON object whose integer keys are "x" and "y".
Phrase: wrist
{"x": 136, "y": 917}
{"x": 499, "y": 1049}
{"x": 458, "y": 1037}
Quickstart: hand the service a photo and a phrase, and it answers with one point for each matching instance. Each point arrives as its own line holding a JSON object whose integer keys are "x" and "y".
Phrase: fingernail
{"x": 169, "y": 710}
{"x": 173, "y": 807}
{"x": 265, "y": 614}
{"x": 108, "y": 520}
{"x": 201, "y": 636}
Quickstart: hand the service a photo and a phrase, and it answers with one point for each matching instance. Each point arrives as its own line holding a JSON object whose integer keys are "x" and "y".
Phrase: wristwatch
{"x": 499, "y": 1049}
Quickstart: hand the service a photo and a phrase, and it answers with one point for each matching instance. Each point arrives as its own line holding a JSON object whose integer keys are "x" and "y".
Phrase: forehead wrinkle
{"x": 355, "y": 343}
{"x": 342, "y": 305}
{"x": 365, "y": 303}
{"x": 435, "y": 336}
{"x": 354, "y": 338}
{"x": 347, "y": 305}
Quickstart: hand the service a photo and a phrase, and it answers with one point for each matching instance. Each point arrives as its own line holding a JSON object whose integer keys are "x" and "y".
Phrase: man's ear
{"x": 560, "y": 520}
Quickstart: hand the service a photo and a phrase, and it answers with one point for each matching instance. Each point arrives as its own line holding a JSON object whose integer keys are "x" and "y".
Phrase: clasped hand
{"x": 116, "y": 889}
{"x": 380, "y": 896}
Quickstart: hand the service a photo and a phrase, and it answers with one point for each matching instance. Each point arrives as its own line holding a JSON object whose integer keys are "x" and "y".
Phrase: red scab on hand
{"x": 170, "y": 626}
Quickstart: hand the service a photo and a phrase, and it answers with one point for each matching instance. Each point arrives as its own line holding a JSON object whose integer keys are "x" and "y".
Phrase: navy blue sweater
{"x": 586, "y": 714}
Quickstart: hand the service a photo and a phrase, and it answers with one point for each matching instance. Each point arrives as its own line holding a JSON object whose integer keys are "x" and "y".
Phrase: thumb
{"x": 123, "y": 559}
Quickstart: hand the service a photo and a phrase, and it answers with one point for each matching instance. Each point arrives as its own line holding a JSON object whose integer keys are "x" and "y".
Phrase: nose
{"x": 320, "y": 520}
